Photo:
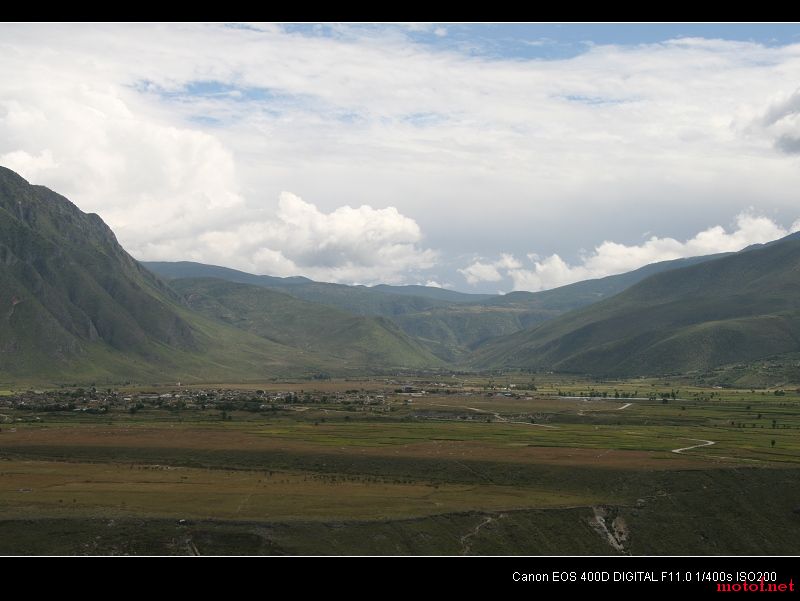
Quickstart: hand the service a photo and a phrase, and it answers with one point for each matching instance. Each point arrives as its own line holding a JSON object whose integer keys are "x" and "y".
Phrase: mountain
{"x": 452, "y": 332}
{"x": 357, "y": 300}
{"x": 74, "y": 306}
{"x": 448, "y": 324}
{"x": 67, "y": 287}
{"x": 586, "y": 292}
{"x": 738, "y": 308}
{"x": 443, "y": 294}
{"x": 171, "y": 270}
{"x": 355, "y": 342}
{"x": 189, "y": 269}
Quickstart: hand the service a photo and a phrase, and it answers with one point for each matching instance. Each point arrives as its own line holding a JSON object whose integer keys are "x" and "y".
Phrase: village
{"x": 384, "y": 396}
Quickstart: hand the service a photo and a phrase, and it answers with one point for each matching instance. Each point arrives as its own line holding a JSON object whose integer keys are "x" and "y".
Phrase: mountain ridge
{"x": 74, "y": 305}
{"x": 740, "y": 307}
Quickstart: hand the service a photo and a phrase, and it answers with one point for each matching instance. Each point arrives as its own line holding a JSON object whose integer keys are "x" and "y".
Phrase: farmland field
{"x": 522, "y": 466}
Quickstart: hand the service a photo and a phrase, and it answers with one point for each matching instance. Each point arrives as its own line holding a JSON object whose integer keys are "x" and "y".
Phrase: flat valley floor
{"x": 515, "y": 465}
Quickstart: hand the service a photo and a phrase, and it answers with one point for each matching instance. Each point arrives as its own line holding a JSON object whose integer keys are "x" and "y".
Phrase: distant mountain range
{"x": 451, "y": 325}
{"x": 737, "y": 308}
{"x": 74, "y": 306}
{"x": 353, "y": 341}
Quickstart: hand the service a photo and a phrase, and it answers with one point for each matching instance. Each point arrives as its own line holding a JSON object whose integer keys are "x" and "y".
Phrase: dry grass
{"x": 56, "y": 489}
{"x": 527, "y": 445}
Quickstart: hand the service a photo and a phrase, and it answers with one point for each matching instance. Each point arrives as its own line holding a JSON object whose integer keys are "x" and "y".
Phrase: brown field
{"x": 252, "y": 439}
{"x": 440, "y": 473}
{"x": 56, "y": 489}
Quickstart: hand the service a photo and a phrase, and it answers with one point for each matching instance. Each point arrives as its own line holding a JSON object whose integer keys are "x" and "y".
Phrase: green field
{"x": 370, "y": 470}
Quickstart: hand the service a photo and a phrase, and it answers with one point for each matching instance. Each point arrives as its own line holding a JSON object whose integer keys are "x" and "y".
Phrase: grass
{"x": 418, "y": 477}
{"x": 52, "y": 489}
{"x": 741, "y": 308}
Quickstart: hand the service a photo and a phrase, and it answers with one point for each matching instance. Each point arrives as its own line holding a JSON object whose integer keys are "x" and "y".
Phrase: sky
{"x": 478, "y": 157}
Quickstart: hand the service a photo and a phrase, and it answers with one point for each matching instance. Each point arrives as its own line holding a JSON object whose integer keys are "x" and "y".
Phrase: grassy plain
{"x": 465, "y": 471}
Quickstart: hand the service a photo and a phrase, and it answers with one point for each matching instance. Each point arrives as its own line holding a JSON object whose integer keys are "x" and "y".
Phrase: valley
{"x": 399, "y": 466}
{"x": 523, "y": 291}
{"x": 190, "y": 409}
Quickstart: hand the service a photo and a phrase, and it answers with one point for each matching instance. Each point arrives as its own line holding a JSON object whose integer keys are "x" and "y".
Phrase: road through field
{"x": 585, "y": 411}
{"x": 703, "y": 443}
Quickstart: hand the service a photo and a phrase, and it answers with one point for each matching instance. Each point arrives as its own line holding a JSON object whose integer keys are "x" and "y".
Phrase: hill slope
{"x": 454, "y": 331}
{"x": 357, "y": 300}
{"x": 74, "y": 306}
{"x": 740, "y": 307}
{"x": 449, "y": 324}
{"x": 364, "y": 343}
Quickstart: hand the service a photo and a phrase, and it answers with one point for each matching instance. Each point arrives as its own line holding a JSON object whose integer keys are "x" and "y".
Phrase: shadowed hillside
{"x": 738, "y": 308}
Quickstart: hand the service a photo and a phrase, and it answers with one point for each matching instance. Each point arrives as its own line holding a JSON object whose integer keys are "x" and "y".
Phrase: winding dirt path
{"x": 703, "y": 443}
{"x": 537, "y": 425}
{"x": 585, "y": 411}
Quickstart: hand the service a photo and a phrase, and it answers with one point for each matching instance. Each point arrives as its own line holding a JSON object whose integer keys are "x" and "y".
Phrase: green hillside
{"x": 358, "y": 343}
{"x": 74, "y": 306}
{"x": 357, "y": 300}
{"x": 453, "y": 332}
{"x": 443, "y": 294}
{"x": 580, "y": 294}
{"x": 448, "y": 324}
{"x": 737, "y": 308}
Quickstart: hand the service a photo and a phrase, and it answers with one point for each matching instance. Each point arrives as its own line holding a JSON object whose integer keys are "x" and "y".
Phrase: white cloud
{"x": 23, "y": 162}
{"x": 481, "y": 272}
{"x": 182, "y": 137}
{"x": 150, "y": 180}
{"x": 351, "y": 245}
{"x": 779, "y": 123}
{"x": 610, "y": 258}
{"x": 489, "y": 272}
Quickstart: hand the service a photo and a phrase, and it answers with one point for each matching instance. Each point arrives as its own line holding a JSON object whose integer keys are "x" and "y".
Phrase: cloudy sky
{"x": 484, "y": 158}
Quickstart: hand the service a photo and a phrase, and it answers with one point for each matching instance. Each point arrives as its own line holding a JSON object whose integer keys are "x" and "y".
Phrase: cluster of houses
{"x": 182, "y": 398}
{"x": 97, "y": 400}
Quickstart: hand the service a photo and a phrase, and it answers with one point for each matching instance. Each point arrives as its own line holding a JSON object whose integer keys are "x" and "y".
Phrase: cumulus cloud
{"x": 351, "y": 245}
{"x": 481, "y": 272}
{"x": 781, "y": 109}
{"x": 31, "y": 165}
{"x": 610, "y": 258}
{"x": 489, "y": 272}
{"x": 182, "y": 137}
{"x": 150, "y": 180}
{"x": 780, "y": 123}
